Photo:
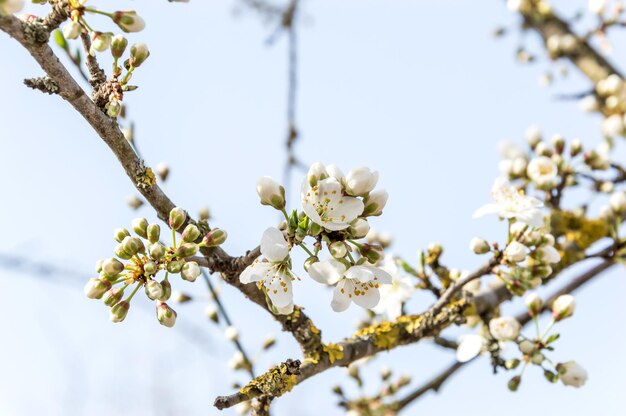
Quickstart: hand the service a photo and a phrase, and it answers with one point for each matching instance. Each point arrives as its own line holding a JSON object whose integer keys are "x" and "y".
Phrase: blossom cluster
{"x": 335, "y": 212}
{"x": 139, "y": 260}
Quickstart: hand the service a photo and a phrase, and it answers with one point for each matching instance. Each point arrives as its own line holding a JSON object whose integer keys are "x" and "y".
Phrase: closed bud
{"x": 118, "y": 46}
{"x": 211, "y": 313}
{"x": 231, "y": 333}
{"x": 120, "y": 234}
{"x": 271, "y": 192}
{"x": 187, "y": 250}
{"x": 360, "y": 181}
{"x": 112, "y": 267}
{"x": 576, "y": 147}
{"x": 177, "y": 218}
{"x": 190, "y": 271}
{"x": 153, "y": 232}
{"x": 309, "y": 262}
{"x": 129, "y": 21}
{"x": 558, "y": 142}
{"x": 157, "y": 251}
{"x": 163, "y": 171}
{"x": 153, "y": 290}
{"x": 120, "y": 252}
{"x": 100, "y": 42}
{"x": 572, "y": 374}
{"x": 514, "y": 383}
{"x": 167, "y": 290}
{"x": 563, "y": 307}
{"x": 534, "y": 304}
{"x": 112, "y": 296}
{"x": 359, "y": 228}
{"x": 537, "y": 358}
{"x": 138, "y": 54}
{"x": 150, "y": 268}
{"x": 204, "y": 214}
{"x": 214, "y": 238}
{"x": 191, "y": 233}
{"x": 95, "y": 288}
{"x": 479, "y": 246}
{"x": 114, "y": 107}
{"x": 140, "y": 227}
{"x": 372, "y": 253}
{"x": 133, "y": 245}
{"x": 119, "y": 311}
{"x": 375, "y": 203}
{"x": 515, "y": 252}
{"x": 99, "y": 266}
{"x": 317, "y": 172}
{"x": 165, "y": 314}
{"x": 71, "y": 30}
{"x": 618, "y": 202}
{"x": 338, "y": 249}
{"x": 526, "y": 347}
{"x": 175, "y": 266}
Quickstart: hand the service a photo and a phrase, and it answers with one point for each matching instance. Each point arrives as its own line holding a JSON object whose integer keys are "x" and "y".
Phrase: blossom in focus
{"x": 325, "y": 204}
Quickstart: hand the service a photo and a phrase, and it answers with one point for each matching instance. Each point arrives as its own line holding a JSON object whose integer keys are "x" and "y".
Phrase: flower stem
{"x": 305, "y": 248}
{"x": 545, "y": 333}
{"x": 90, "y": 10}
{"x": 133, "y": 294}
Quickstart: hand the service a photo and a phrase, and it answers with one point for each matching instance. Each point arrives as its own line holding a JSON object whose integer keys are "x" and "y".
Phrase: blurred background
{"x": 418, "y": 90}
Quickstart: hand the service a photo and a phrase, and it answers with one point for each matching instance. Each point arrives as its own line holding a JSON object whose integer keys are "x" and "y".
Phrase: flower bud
{"x": 138, "y": 54}
{"x": 309, "y": 262}
{"x": 214, "y": 238}
{"x": 375, "y": 203}
{"x": 163, "y": 171}
{"x": 72, "y": 30}
{"x": 360, "y": 181}
{"x": 186, "y": 250}
{"x": 533, "y": 136}
{"x": 526, "y": 347}
{"x": 359, "y": 228}
{"x": 150, "y": 268}
{"x": 95, "y": 288}
{"x": 190, "y": 271}
{"x": 177, "y": 218}
{"x": 114, "y": 107}
{"x": 129, "y": 21}
{"x": 514, "y": 383}
{"x": 113, "y": 296}
{"x": 175, "y": 266}
{"x": 167, "y": 290}
{"x": 231, "y": 333}
{"x": 118, "y": 46}
{"x": 153, "y": 232}
{"x": 120, "y": 233}
{"x": 338, "y": 249}
{"x": 335, "y": 172}
{"x": 618, "y": 202}
{"x": 317, "y": 172}
{"x": 165, "y": 314}
{"x": 120, "y": 252}
{"x": 191, "y": 233}
{"x": 112, "y": 267}
{"x": 373, "y": 253}
{"x": 572, "y": 374}
{"x": 534, "y": 304}
{"x": 100, "y": 42}
{"x": 505, "y": 328}
{"x": 140, "y": 227}
{"x": 515, "y": 252}
{"x": 153, "y": 290}
{"x": 479, "y": 246}
{"x": 211, "y": 313}
{"x": 537, "y": 358}
{"x": 99, "y": 266}
{"x": 563, "y": 307}
{"x": 157, "y": 251}
{"x": 271, "y": 192}
{"x": 133, "y": 245}
{"x": 119, "y": 311}
{"x": 204, "y": 214}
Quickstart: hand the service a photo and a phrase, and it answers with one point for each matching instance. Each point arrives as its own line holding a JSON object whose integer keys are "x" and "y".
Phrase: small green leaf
{"x": 552, "y": 338}
{"x": 59, "y": 39}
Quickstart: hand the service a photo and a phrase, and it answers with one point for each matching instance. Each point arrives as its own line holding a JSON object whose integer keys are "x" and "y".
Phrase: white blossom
{"x": 394, "y": 295}
{"x": 543, "y": 171}
{"x": 532, "y": 135}
{"x": 597, "y": 6}
{"x": 360, "y": 181}
{"x": 469, "y": 346}
{"x": 326, "y": 205}
{"x": 512, "y": 203}
{"x": 618, "y": 202}
{"x": 572, "y": 374}
{"x": 548, "y": 254}
{"x": 563, "y": 307}
{"x": 504, "y": 328}
{"x": 272, "y": 272}
{"x": 271, "y": 192}
{"x": 514, "y": 159}
{"x": 358, "y": 284}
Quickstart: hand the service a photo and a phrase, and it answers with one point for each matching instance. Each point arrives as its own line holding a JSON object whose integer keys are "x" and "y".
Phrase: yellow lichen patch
{"x": 276, "y": 382}
{"x": 334, "y": 351}
{"x": 579, "y": 230}
{"x": 145, "y": 178}
{"x": 314, "y": 328}
{"x": 385, "y": 334}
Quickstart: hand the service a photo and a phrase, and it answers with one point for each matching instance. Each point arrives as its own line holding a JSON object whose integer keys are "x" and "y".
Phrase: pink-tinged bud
{"x": 187, "y": 250}
{"x": 138, "y": 54}
{"x": 271, "y": 193}
{"x": 190, "y": 271}
{"x": 375, "y": 203}
{"x": 191, "y": 233}
{"x": 154, "y": 290}
{"x": 119, "y": 311}
{"x": 95, "y": 288}
{"x": 214, "y": 238}
{"x": 563, "y": 307}
{"x": 113, "y": 296}
{"x": 167, "y": 290}
{"x": 165, "y": 314}
{"x": 153, "y": 232}
{"x": 177, "y": 218}
{"x": 129, "y": 21}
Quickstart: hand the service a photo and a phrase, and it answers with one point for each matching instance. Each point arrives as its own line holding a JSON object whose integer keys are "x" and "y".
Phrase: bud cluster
{"x": 140, "y": 258}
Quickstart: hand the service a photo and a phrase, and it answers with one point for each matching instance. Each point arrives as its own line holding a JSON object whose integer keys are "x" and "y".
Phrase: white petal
{"x": 470, "y": 346}
{"x": 327, "y": 272}
{"x": 487, "y": 209}
{"x": 532, "y": 217}
{"x": 341, "y": 300}
{"x": 279, "y": 289}
{"x": 273, "y": 245}
{"x": 380, "y": 275}
{"x": 344, "y": 211}
{"x": 310, "y": 211}
{"x": 255, "y": 272}
{"x": 367, "y": 297}
{"x": 360, "y": 274}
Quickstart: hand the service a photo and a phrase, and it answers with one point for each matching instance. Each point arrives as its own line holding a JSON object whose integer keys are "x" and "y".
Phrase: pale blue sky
{"x": 417, "y": 90}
